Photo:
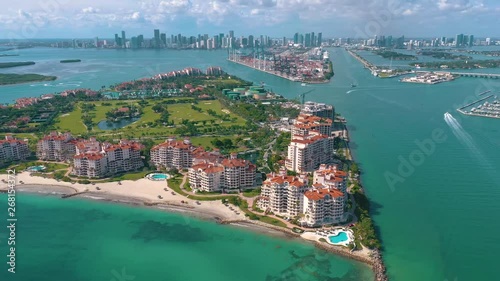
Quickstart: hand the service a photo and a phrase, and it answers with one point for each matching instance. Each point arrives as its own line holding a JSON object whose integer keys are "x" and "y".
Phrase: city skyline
{"x": 79, "y": 19}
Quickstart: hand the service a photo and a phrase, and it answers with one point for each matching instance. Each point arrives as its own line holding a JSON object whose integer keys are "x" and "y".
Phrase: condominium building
{"x": 283, "y": 195}
{"x": 318, "y": 109}
{"x": 173, "y": 154}
{"x": 12, "y": 149}
{"x": 95, "y": 160}
{"x": 323, "y": 205}
{"x": 308, "y": 123}
{"x": 238, "y": 173}
{"x": 331, "y": 177}
{"x": 228, "y": 175}
{"x": 206, "y": 177}
{"x": 123, "y": 157}
{"x": 56, "y": 147}
{"x": 90, "y": 164}
{"x": 306, "y": 152}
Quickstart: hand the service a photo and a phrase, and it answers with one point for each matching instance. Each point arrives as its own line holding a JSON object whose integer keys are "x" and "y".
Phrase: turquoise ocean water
{"x": 438, "y": 222}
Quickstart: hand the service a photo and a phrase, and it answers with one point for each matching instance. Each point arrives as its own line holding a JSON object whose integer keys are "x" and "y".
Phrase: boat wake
{"x": 464, "y": 137}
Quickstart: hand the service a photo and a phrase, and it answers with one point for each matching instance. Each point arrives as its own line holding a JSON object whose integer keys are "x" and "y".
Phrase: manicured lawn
{"x": 72, "y": 122}
{"x": 129, "y": 176}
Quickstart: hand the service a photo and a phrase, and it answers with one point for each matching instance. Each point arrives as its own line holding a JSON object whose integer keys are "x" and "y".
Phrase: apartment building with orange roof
{"x": 323, "y": 205}
{"x": 13, "y": 149}
{"x": 56, "y": 147}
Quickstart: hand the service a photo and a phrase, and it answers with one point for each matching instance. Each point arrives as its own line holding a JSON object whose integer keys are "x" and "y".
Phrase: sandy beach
{"x": 144, "y": 192}
{"x": 140, "y": 192}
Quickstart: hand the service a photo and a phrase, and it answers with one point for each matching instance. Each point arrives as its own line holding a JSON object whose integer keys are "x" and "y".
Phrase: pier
{"x": 485, "y": 92}
{"x": 474, "y": 102}
{"x": 73, "y": 194}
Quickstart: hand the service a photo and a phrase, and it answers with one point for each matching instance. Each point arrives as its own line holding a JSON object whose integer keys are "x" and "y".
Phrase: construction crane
{"x": 303, "y": 96}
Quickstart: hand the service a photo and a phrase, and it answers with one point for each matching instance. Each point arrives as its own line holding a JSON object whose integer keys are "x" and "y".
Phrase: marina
{"x": 487, "y": 109}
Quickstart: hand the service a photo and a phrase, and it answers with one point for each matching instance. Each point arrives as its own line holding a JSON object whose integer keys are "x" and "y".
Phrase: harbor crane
{"x": 303, "y": 96}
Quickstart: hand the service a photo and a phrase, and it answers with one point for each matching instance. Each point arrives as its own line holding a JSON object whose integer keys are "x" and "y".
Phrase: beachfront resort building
{"x": 231, "y": 174}
{"x": 56, "y": 147}
{"x": 283, "y": 195}
{"x": 306, "y": 123}
{"x": 312, "y": 142}
{"x": 323, "y": 205}
{"x": 331, "y": 177}
{"x": 95, "y": 160}
{"x": 173, "y": 154}
{"x": 12, "y": 149}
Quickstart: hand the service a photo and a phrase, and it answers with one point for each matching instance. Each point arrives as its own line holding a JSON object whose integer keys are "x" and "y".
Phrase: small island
{"x": 70, "y": 61}
{"x": 14, "y": 64}
{"x": 444, "y": 55}
{"x": 9, "y": 78}
{"x": 394, "y": 55}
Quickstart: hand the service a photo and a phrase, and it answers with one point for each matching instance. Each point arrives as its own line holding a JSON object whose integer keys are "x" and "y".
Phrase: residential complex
{"x": 331, "y": 177}
{"x": 56, "y": 147}
{"x": 318, "y": 109}
{"x": 95, "y": 160}
{"x": 323, "y": 205}
{"x": 283, "y": 195}
{"x": 173, "y": 154}
{"x": 12, "y": 149}
{"x": 226, "y": 175}
{"x": 294, "y": 197}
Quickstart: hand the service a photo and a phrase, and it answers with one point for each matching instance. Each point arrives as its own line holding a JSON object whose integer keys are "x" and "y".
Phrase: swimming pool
{"x": 339, "y": 238}
{"x": 36, "y": 168}
{"x": 157, "y": 177}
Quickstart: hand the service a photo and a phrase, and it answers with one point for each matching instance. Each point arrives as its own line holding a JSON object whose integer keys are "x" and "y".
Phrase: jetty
{"x": 73, "y": 194}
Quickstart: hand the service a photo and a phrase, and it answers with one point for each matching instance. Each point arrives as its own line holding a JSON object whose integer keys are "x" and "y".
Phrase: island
{"x": 394, "y": 55}
{"x": 444, "y": 55}
{"x": 190, "y": 124}
{"x": 70, "y": 61}
{"x": 10, "y": 78}
{"x": 15, "y": 64}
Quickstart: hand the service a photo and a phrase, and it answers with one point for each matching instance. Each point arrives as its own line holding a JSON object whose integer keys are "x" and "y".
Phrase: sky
{"x": 25, "y": 19}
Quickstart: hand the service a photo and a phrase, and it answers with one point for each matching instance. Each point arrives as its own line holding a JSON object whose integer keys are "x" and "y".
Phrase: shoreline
{"x": 281, "y": 76}
{"x": 213, "y": 211}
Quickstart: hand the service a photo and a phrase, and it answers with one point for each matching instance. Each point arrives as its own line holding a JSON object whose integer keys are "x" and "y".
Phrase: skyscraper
{"x": 157, "y": 38}
{"x": 459, "y": 40}
{"x": 307, "y": 41}
{"x": 124, "y": 40}
{"x": 163, "y": 38}
{"x": 118, "y": 41}
{"x": 251, "y": 41}
{"x": 320, "y": 39}
{"x": 471, "y": 40}
{"x": 296, "y": 38}
{"x": 313, "y": 40}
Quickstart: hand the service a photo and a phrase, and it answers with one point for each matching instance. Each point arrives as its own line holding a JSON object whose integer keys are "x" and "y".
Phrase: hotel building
{"x": 56, "y": 147}
{"x": 12, "y": 149}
